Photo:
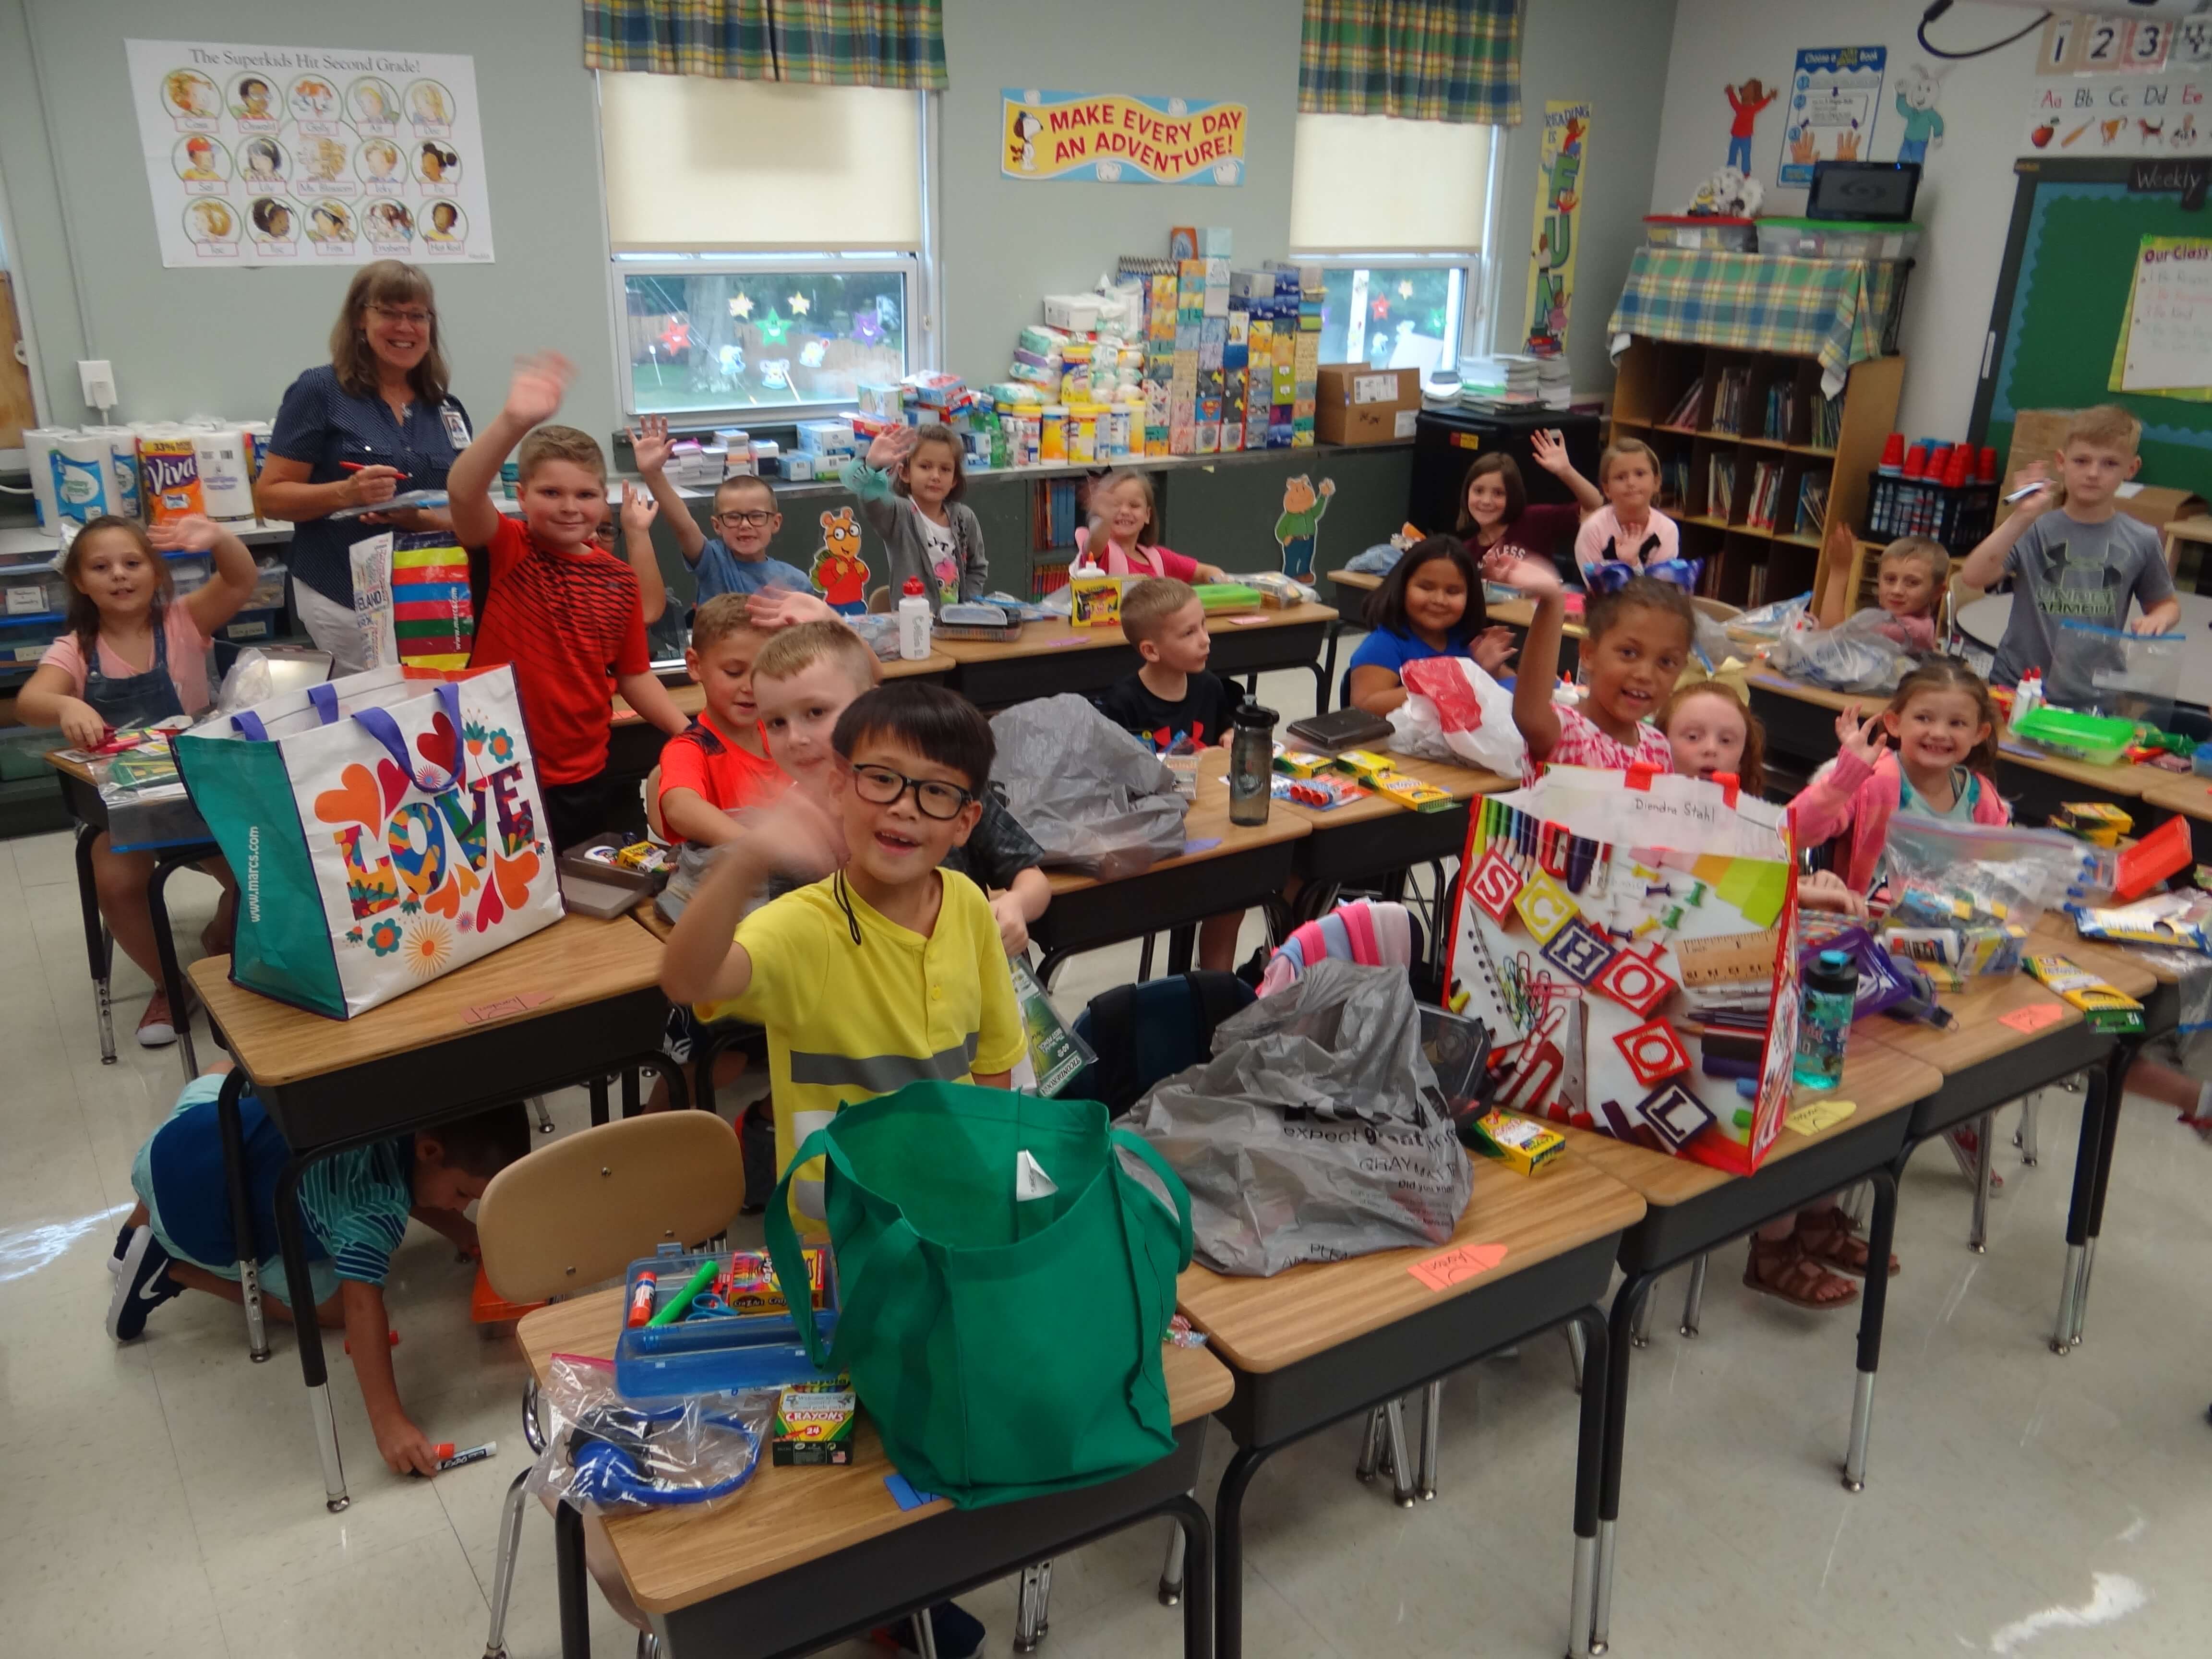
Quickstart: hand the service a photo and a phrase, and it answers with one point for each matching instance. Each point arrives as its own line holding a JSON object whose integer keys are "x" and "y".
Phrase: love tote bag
{"x": 384, "y": 830}
{"x": 1005, "y": 1283}
{"x": 1630, "y": 940}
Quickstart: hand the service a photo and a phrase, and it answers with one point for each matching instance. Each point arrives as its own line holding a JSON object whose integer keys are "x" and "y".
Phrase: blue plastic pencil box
{"x": 712, "y": 1348}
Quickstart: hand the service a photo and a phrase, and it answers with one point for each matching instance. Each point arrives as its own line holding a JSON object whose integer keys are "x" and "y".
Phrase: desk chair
{"x": 577, "y": 1213}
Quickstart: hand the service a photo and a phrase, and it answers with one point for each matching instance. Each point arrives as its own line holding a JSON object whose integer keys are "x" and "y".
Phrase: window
{"x": 1397, "y": 214}
{"x": 755, "y": 272}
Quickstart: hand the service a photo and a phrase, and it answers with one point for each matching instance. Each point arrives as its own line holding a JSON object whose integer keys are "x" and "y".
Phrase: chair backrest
{"x": 1142, "y": 1033}
{"x": 582, "y": 1209}
{"x": 1718, "y": 609}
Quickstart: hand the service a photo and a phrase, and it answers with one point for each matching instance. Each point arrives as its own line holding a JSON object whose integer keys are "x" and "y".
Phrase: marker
{"x": 2025, "y": 491}
{"x": 450, "y": 1459}
{"x": 677, "y": 1307}
{"x": 640, "y": 1302}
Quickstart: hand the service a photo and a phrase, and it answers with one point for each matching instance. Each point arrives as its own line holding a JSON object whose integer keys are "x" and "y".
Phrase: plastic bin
{"x": 1957, "y": 518}
{"x": 1704, "y": 232}
{"x": 1837, "y": 239}
{"x": 21, "y": 644}
{"x": 2097, "y": 739}
{"x": 31, "y": 593}
{"x": 253, "y": 627}
{"x": 267, "y": 587}
{"x": 23, "y": 751}
{"x": 700, "y": 1355}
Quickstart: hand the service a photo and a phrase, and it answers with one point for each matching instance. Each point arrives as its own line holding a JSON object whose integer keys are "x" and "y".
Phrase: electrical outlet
{"x": 98, "y": 374}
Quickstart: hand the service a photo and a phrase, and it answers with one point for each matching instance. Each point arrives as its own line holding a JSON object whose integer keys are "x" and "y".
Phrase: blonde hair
{"x": 559, "y": 443}
{"x": 1751, "y": 766}
{"x": 1621, "y": 449}
{"x": 2105, "y": 425}
{"x": 1923, "y": 550}
{"x": 720, "y": 617}
{"x": 1104, "y": 487}
{"x": 791, "y": 651}
{"x": 1148, "y": 603}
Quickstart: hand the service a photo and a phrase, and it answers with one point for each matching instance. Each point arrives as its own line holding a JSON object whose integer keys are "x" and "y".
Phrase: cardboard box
{"x": 2038, "y": 433}
{"x": 1356, "y": 405}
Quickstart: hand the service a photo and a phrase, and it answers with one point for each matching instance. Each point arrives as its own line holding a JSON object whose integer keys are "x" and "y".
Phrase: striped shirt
{"x": 357, "y": 1203}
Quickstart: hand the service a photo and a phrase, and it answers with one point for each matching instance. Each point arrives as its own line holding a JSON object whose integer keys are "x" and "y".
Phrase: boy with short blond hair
{"x": 562, "y": 611}
{"x": 735, "y": 559}
{"x": 718, "y": 763}
{"x": 2085, "y": 562}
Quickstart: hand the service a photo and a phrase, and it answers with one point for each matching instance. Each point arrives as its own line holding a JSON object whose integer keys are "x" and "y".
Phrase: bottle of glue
{"x": 913, "y": 621}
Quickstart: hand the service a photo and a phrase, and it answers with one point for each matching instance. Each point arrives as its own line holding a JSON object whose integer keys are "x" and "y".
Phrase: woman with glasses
{"x": 375, "y": 421}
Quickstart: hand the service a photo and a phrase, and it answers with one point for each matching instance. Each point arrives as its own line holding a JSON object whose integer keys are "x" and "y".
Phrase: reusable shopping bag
{"x": 1630, "y": 940}
{"x": 385, "y": 831}
{"x": 1005, "y": 1282}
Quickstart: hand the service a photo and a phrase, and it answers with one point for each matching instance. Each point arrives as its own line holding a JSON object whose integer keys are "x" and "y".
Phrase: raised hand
{"x": 798, "y": 835}
{"x": 639, "y": 510}
{"x": 1864, "y": 739}
{"x": 2035, "y": 505}
{"x": 1492, "y": 649}
{"x": 540, "y": 381}
{"x": 1536, "y": 577}
{"x": 198, "y": 534}
{"x": 649, "y": 443}
{"x": 1551, "y": 450}
{"x": 892, "y": 447}
{"x": 772, "y": 608}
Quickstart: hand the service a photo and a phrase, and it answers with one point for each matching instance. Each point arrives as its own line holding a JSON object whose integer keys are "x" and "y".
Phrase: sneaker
{"x": 958, "y": 1633}
{"x": 122, "y": 1245}
{"x": 142, "y": 1284}
{"x": 157, "y": 1028}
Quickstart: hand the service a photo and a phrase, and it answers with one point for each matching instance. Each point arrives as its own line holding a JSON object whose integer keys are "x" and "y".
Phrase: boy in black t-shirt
{"x": 1172, "y": 704}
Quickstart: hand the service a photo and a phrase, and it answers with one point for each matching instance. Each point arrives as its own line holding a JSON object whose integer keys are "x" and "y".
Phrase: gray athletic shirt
{"x": 2063, "y": 569}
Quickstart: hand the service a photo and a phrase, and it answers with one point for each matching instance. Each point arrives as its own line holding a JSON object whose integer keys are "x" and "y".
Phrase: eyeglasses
{"x": 416, "y": 319}
{"x": 882, "y": 786}
{"x": 753, "y": 519}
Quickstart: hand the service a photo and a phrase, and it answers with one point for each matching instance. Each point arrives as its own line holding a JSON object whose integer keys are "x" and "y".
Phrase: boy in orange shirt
{"x": 718, "y": 763}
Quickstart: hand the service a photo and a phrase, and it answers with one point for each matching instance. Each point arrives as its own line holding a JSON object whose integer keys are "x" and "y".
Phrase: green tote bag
{"x": 1005, "y": 1283}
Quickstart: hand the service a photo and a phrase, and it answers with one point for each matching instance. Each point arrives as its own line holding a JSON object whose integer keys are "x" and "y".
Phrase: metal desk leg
{"x": 597, "y": 1088}
{"x": 570, "y": 1584}
{"x": 1229, "y": 1554}
{"x": 2078, "y": 1211}
{"x": 1173, "y": 1570}
{"x": 1433, "y": 1433}
{"x": 1328, "y": 666}
{"x": 1370, "y": 1452}
{"x": 1589, "y": 1458}
{"x": 630, "y": 1092}
{"x": 1197, "y": 1536}
{"x": 1978, "y": 1235}
{"x": 2115, "y": 1089}
{"x": 235, "y": 1182}
{"x": 2024, "y": 1137}
{"x": 1577, "y": 1347}
{"x": 1183, "y": 945}
{"x": 99, "y": 946}
{"x": 1873, "y": 1304}
{"x": 308, "y": 1328}
{"x": 1402, "y": 1462}
{"x": 1610, "y": 1364}
{"x": 1320, "y": 684}
{"x": 164, "y": 946}
{"x": 1694, "y": 1304}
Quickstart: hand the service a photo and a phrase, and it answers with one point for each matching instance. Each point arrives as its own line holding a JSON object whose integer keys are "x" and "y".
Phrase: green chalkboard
{"x": 2061, "y": 300}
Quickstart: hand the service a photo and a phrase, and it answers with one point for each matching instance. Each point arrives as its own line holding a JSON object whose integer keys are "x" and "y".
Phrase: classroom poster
{"x": 291, "y": 155}
{"x": 1116, "y": 138}
{"x": 2165, "y": 347}
{"x": 2119, "y": 114}
{"x": 1835, "y": 96}
{"x": 1559, "y": 223}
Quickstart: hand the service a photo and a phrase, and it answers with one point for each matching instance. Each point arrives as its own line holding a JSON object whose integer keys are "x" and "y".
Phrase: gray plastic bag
{"x": 1317, "y": 1132}
{"x": 1094, "y": 797}
{"x": 1855, "y": 655}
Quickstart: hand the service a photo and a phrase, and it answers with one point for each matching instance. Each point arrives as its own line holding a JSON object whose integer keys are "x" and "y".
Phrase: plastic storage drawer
{"x": 1837, "y": 239}
{"x": 1701, "y": 233}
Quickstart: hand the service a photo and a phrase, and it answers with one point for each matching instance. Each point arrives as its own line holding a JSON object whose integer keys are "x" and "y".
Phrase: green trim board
{"x": 2063, "y": 299}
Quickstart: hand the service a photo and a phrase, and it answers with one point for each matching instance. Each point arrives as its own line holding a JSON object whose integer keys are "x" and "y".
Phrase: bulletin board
{"x": 2063, "y": 301}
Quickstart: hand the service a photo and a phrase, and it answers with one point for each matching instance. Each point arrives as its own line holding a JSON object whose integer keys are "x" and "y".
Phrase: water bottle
{"x": 913, "y": 621}
{"x": 1251, "y": 763}
{"x": 1829, "y": 998}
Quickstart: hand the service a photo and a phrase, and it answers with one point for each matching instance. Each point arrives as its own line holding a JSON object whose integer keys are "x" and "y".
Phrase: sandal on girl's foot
{"x": 1965, "y": 1143}
{"x": 1826, "y": 1236}
{"x": 1779, "y": 1267}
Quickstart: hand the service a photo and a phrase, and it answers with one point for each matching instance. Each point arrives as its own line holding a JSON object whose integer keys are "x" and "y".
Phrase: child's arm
{"x": 777, "y": 607}
{"x": 1823, "y": 808}
{"x": 405, "y": 1448}
{"x": 2154, "y": 590}
{"x": 450, "y": 1225}
{"x": 533, "y": 395}
{"x": 52, "y": 698}
{"x": 1550, "y": 450}
{"x": 688, "y": 815}
{"x": 701, "y": 962}
{"x": 1021, "y": 903}
{"x": 869, "y": 478}
{"x": 639, "y": 510}
{"x": 1987, "y": 561}
{"x": 646, "y": 694}
{"x": 650, "y": 447}
{"x": 224, "y": 594}
{"x": 1540, "y": 653}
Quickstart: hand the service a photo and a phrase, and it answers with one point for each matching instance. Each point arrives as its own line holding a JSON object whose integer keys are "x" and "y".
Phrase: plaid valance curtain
{"x": 846, "y": 43}
{"x": 1421, "y": 60}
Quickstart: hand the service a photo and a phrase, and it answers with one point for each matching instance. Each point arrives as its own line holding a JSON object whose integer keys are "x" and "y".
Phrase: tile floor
{"x": 2019, "y": 1503}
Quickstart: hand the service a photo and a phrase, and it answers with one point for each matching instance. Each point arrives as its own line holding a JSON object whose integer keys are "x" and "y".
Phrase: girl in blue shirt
{"x": 1428, "y": 606}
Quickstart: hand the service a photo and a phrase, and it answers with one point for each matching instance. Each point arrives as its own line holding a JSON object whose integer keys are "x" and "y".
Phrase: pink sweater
{"x": 1849, "y": 794}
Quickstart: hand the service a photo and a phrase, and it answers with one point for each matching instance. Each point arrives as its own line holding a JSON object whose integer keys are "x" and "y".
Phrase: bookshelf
{"x": 1759, "y": 467}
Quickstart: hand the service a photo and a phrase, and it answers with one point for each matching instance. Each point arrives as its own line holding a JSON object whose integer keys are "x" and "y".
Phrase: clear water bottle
{"x": 1251, "y": 763}
{"x": 1826, "y": 1005}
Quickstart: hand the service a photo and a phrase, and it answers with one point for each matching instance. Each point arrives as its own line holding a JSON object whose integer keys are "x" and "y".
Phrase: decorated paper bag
{"x": 384, "y": 830}
{"x": 1630, "y": 940}
{"x": 411, "y": 601}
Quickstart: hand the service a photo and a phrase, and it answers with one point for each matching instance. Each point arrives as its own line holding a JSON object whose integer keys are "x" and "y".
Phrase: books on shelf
{"x": 1056, "y": 514}
{"x": 1827, "y": 421}
{"x": 1720, "y": 485}
{"x": 1812, "y": 503}
{"x": 1673, "y": 481}
{"x": 1755, "y": 594}
{"x": 1731, "y": 393}
{"x": 1766, "y": 495}
{"x": 1781, "y": 410}
{"x": 1685, "y": 411}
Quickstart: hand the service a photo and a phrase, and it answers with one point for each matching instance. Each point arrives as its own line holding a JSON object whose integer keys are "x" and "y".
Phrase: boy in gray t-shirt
{"x": 2085, "y": 562}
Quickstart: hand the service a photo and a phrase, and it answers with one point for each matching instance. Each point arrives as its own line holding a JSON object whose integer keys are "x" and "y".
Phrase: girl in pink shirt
{"x": 136, "y": 653}
{"x": 1121, "y": 518}
{"x": 1628, "y": 528}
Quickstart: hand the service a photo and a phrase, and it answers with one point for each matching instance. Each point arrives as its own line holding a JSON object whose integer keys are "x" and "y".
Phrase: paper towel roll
{"x": 258, "y": 434}
{"x": 82, "y": 476}
{"x": 226, "y": 482}
{"x": 122, "y": 468}
{"x": 169, "y": 469}
{"x": 38, "y": 443}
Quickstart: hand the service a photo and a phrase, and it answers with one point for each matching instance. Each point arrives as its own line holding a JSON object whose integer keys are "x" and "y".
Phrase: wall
{"x": 1966, "y": 190}
{"x": 1621, "y": 81}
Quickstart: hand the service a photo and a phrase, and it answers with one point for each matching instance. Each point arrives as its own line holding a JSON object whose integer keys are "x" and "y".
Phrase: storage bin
{"x": 268, "y": 588}
{"x": 2097, "y": 739}
{"x": 191, "y": 571}
{"x": 253, "y": 627}
{"x": 1957, "y": 517}
{"x": 23, "y": 750}
{"x": 33, "y": 593}
{"x": 1837, "y": 239}
{"x": 23, "y": 643}
{"x": 1708, "y": 232}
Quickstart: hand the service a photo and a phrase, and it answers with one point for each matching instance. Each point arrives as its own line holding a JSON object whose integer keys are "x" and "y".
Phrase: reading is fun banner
{"x": 1112, "y": 137}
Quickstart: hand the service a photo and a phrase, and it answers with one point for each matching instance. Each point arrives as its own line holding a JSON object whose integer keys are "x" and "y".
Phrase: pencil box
{"x": 970, "y": 620}
{"x": 1344, "y": 728}
{"x": 714, "y": 1349}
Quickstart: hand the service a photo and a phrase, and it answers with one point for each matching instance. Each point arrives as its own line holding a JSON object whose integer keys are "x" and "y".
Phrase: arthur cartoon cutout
{"x": 1300, "y": 527}
{"x": 1917, "y": 89}
{"x": 841, "y": 575}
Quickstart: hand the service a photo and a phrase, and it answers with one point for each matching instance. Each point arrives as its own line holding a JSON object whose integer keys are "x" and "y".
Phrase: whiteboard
{"x": 2167, "y": 345}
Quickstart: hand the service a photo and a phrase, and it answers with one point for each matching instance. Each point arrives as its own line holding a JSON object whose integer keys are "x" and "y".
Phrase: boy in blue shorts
{"x": 354, "y": 1208}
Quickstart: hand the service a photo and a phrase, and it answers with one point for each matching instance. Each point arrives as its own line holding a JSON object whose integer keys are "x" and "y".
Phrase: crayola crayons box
{"x": 2104, "y": 1007}
{"x": 1364, "y": 764}
{"x": 1094, "y": 601}
{"x": 1519, "y": 1143}
{"x": 813, "y": 1425}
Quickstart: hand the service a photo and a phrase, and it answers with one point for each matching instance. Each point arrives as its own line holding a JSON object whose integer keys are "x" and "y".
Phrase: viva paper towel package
{"x": 170, "y": 466}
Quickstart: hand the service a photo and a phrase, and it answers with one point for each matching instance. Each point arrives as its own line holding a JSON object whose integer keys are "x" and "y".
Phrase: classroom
{"x": 1370, "y": 770}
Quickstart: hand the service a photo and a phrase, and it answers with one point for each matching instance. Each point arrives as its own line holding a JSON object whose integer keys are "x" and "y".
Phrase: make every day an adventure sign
{"x": 1119, "y": 139}
{"x": 290, "y": 155}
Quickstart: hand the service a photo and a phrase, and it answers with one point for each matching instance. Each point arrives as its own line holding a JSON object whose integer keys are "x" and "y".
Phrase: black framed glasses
{"x": 752, "y": 517}
{"x": 881, "y": 786}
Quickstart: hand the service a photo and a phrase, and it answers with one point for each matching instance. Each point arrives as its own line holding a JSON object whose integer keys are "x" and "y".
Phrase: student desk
{"x": 634, "y": 744}
{"x": 1327, "y": 1340}
{"x": 1245, "y": 865}
{"x": 1055, "y": 656}
{"x": 81, "y": 793}
{"x": 489, "y": 1033}
{"x": 804, "y": 1557}
{"x": 1692, "y": 1208}
{"x": 1378, "y": 837}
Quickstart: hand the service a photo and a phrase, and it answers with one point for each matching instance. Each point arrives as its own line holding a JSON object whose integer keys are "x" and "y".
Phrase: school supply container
{"x": 2096, "y": 739}
{"x": 1837, "y": 239}
{"x": 1705, "y": 233}
{"x": 714, "y": 1347}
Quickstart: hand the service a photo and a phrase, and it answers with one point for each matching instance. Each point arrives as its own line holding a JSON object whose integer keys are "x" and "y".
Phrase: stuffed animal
{"x": 1729, "y": 194}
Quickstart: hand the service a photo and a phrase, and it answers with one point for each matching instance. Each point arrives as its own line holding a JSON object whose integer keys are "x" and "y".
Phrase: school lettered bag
{"x": 384, "y": 830}
{"x": 1630, "y": 940}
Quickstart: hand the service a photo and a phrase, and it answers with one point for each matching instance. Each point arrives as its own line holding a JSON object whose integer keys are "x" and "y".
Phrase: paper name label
{"x": 2034, "y": 1017}
{"x": 1441, "y": 1272}
{"x": 1375, "y": 388}
{"x": 1815, "y": 1115}
{"x": 507, "y": 1007}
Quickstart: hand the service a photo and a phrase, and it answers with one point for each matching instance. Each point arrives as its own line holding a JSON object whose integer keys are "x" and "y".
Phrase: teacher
{"x": 375, "y": 420}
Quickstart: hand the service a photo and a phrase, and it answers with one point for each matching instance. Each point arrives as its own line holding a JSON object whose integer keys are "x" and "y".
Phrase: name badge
{"x": 457, "y": 427}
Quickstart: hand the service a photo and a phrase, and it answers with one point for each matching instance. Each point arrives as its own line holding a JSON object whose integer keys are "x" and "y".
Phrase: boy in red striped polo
{"x": 564, "y": 612}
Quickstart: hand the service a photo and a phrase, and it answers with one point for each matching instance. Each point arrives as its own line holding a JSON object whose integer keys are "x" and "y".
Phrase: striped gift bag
{"x": 412, "y": 601}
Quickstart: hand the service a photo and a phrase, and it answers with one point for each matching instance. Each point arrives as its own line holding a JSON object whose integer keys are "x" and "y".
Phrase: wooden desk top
{"x": 691, "y": 696}
{"x": 1040, "y": 638}
{"x": 675, "y": 1558}
{"x": 1207, "y": 819}
{"x": 572, "y": 963}
{"x": 1981, "y": 1035}
{"x": 1459, "y": 782}
{"x": 1367, "y": 581}
{"x": 2132, "y": 973}
{"x": 1519, "y": 613}
{"x": 62, "y": 761}
{"x": 2190, "y": 796}
{"x": 1265, "y": 1324}
{"x": 1880, "y": 1080}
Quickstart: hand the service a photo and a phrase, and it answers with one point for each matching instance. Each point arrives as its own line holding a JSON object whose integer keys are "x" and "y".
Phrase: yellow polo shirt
{"x": 849, "y": 1022}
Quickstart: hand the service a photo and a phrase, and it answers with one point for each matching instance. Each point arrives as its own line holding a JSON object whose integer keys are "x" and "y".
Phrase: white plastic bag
{"x": 1456, "y": 712}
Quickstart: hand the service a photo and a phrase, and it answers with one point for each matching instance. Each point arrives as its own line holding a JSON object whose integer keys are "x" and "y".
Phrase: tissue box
{"x": 1076, "y": 313}
{"x": 828, "y": 438}
{"x": 878, "y": 399}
